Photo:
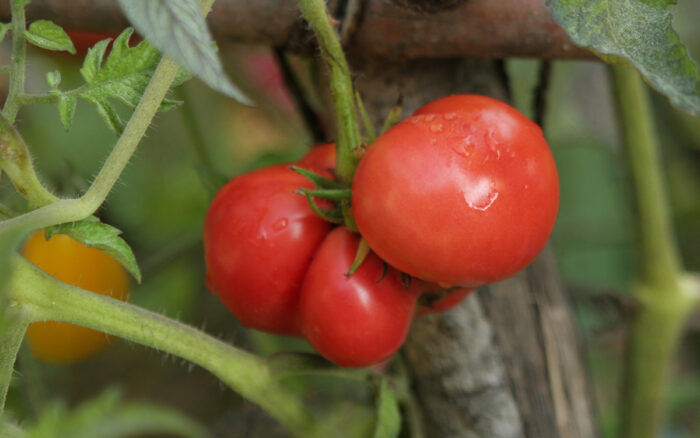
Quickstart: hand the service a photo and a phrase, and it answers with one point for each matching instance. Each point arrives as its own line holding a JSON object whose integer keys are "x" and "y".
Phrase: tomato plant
{"x": 464, "y": 192}
{"x": 71, "y": 262}
{"x": 259, "y": 238}
{"x": 354, "y": 320}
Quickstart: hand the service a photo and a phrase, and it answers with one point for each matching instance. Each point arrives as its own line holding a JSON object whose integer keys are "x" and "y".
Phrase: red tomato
{"x": 465, "y": 192}
{"x": 320, "y": 157}
{"x": 435, "y": 304}
{"x": 259, "y": 238}
{"x": 356, "y": 320}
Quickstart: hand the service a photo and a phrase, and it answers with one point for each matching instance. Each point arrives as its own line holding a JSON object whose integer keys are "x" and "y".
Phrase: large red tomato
{"x": 355, "y": 320}
{"x": 259, "y": 238}
{"x": 464, "y": 192}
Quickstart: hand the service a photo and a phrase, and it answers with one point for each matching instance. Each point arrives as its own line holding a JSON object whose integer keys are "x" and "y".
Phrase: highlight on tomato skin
{"x": 465, "y": 192}
{"x": 74, "y": 263}
{"x": 356, "y": 320}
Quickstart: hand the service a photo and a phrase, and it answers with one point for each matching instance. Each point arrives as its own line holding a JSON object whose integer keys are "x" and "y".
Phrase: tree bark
{"x": 506, "y": 363}
{"x": 388, "y": 28}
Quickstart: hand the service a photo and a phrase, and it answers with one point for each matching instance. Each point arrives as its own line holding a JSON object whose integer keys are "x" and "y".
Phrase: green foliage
{"x": 50, "y": 36}
{"x": 388, "y": 414}
{"x": 179, "y": 30}
{"x": 107, "y": 416}
{"x": 639, "y": 32}
{"x": 96, "y": 234}
{"x": 123, "y": 75}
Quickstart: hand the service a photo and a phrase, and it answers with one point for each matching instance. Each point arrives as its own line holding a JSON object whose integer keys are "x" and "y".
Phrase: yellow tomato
{"x": 71, "y": 262}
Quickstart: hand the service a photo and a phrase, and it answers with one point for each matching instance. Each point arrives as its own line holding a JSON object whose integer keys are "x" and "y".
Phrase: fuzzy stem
{"x": 665, "y": 298}
{"x": 47, "y": 299}
{"x": 70, "y": 210}
{"x": 19, "y": 53}
{"x": 349, "y": 139}
{"x": 13, "y": 325}
{"x": 17, "y": 163}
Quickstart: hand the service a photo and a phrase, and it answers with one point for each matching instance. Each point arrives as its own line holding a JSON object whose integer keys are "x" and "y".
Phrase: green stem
{"x": 13, "y": 325}
{"x": 47, "y": 299}
{"x": 16, "y": 161}
{"x": 349, "y": 139}
{"x": 19, "y": 53}
{"x": 70, "y": 210}
{"x": 665, "y": 298}
{"x": 660, "y": 260}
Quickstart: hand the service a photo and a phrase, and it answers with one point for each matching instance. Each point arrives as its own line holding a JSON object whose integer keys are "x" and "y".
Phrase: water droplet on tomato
{"x": 429, "y": 117}
{"x": 480, "y": 194}
{"x": 449, "y": 116}
{"x": 436, "y": 128}
{"x": 280, "y": 224}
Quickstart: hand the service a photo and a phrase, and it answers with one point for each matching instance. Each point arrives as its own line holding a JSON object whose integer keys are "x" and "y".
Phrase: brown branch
{"x": 386, "y": 28}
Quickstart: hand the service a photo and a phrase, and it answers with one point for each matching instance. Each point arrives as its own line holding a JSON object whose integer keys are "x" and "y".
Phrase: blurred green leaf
{"x": 50, "y": 36}
{"x": 639, "y": 32}
{"x": 96, "y": 234}
{"x": 107, "y": 416}
{"x": 178, "y": 29}
{"x": 123, "y": 75}
{"x": 9, "y": 429}
{"x": 388, "y": 414}
{"x": 66, "y": 109}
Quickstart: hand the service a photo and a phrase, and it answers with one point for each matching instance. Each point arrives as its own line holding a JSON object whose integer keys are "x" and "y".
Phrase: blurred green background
{"x": 162, "y": 197}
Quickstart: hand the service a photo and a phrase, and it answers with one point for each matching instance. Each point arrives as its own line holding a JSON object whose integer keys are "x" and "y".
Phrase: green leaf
{"x": 388, "y": 414}
{"x": 4, "y": 27}
{"x": 123, "y": 75}
{"x": 66, "y": 109}
{"x": 107, "y": 416}
{"x": 179, "y": 30}
{"x": 96, "y": 234}
{"x": 53, "y": 78}
{"x": 639, "y": 32}
{"x": 50, "y": 36}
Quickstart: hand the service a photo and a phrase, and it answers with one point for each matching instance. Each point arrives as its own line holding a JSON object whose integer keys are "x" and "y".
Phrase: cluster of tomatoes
{"x": 463, "y": 193}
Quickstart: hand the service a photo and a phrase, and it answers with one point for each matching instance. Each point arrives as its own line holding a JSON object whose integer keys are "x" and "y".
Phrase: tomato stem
{"x": 44, "y": 298}
{"x": 665, "y": 295}
{"x": 349, "y": 139}
{"x": 13, "y": 325}
{"x": 19, "y": 54}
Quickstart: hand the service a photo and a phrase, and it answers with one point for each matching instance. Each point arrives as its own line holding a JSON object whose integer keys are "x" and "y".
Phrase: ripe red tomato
{"x": 356, "y": 320}
{"x": 320, "y": 157}
{"x": 435, "y": 304}
{"x": 464, "y": 192}
{"x": 259, "y": 238}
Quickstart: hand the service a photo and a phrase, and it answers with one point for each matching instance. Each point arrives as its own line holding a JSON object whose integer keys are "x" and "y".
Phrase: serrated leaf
{"x": 107, "y": 416}
{"x": 96, "y": 234}
{"x": 179, "y": 30}
{"x": 641, "y": 33}
{"x": 66, "y": 109}
{"x": 50, "y": 36}
{"x": 123, "y": 75}
{"x": 388, "y": 414}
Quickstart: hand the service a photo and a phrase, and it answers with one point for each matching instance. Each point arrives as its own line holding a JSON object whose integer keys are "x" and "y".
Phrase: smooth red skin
{"x": 320, "y": 157}
{"x": 445, "y": 303}
{"x": 465, "y": 192}
{"x": 259, "y": 238}
{"x": 359, "y": 320}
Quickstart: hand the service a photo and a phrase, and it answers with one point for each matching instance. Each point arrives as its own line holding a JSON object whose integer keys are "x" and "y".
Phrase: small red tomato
{"x": 259, "y": 238}
{"x": 321, "y": 158}
{"x": 465, "y": 192}
{"x": 438, "y": 299}
{"x": 357, "y": 320}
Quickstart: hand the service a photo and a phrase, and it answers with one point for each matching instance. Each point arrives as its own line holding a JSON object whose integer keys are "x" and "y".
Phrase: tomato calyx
{"x": 337, "y": 193}
{"x": 362, "y": 252}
